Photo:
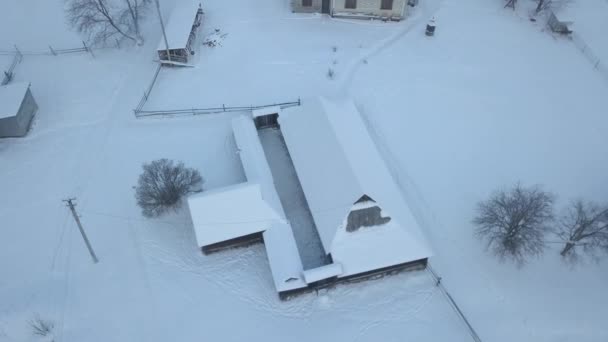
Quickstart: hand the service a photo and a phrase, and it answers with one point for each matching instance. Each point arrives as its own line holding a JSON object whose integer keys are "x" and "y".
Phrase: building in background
{"x": 364, "y": 9}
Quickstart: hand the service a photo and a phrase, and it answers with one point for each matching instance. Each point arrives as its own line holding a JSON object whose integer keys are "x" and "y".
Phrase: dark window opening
{"x": 386, "y": 5}
{"x": 367, "y": 217}
{"x": 306, "y": 3}
{"x": 350, "y": 4}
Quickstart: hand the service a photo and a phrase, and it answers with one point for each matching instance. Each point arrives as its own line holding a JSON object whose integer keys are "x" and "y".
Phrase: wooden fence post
{"x": 89, "y": 50}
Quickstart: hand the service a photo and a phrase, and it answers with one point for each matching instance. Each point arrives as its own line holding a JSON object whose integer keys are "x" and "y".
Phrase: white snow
{"x": 490, "y": 100}
{"x": 179, "y": 25}
{"x": 230, "y": 212}
{"x": 323, "y": 272}
{"x": 11, "y": 97}
{"x": 337, "y": 163}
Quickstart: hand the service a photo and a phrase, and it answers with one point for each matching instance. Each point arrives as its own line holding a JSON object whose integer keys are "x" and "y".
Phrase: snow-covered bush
{"x": 40, "y": 326}
{"x": 163, "y": 184}
{"x": 513, "y": 223}
{"x": 583, "y": 228}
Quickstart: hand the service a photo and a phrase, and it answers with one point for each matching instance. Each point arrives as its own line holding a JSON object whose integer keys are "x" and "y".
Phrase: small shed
{"x": 181, "y": 30}
{"x": 560, "y": 22}
{"x": 17, "y": 108}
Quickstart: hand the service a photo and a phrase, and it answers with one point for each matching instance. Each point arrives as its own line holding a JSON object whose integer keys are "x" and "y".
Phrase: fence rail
{"x": 148, "y": 90}
{"x": 595, "y": 61}
{"x": 8, "y": 74}
{"x": 453, "y": 304}
{"x": 50, "y": 51}
{"x": 211, "y": 110}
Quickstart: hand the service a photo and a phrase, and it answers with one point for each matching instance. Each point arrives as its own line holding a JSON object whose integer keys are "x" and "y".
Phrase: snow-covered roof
{"x": 254, "y": 160}
{"x": 11, "y": 97}
{"x": 246, "y": 208}
{"x": 283, "y": 258}
{"x": 266, "y": 111}
{"x": 179, "y": 25}
{"x": 337, "y": 162}
{"x": 281, "y": 248}
{"x": 230, "y": 212}
{"x": 323, "y": 272}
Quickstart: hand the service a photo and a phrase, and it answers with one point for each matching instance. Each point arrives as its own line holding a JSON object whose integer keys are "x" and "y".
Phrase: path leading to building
{"x": 292, "y": 198}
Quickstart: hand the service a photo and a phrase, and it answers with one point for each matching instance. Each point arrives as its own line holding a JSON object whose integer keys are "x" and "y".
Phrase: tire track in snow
{"x": 426, "y": 11}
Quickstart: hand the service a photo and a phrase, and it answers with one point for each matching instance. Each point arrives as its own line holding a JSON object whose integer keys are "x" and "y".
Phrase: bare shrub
{"x": 513, "y": 223}
{"x": 41, "y": 327}
{"x": 331, "y": 74}
{"x": 163, "y": 184}
{"x": 583, "y": 229}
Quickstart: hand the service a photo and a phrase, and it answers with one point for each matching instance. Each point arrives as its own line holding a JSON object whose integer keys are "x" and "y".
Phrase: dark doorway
{"x": 266, "y": 121}
{"x": 325, "y": 6}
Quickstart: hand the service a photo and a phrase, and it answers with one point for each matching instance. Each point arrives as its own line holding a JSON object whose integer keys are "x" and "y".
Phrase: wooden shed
{"x": 560, "y": 23}
{"x": 17, "y": 109}
{"x": 181, "y": 30}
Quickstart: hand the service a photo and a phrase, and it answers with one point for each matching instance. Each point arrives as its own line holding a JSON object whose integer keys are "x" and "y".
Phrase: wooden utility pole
{"x": 162, "y": 26}
{"x": 72, "y": 206}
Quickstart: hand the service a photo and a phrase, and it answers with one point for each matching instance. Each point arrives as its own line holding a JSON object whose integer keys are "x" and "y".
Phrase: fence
{"x": 8, "y": 74}
{"x": 588, "y": 53}
{"x": 212, "y": 110}
{"x": 50, "y": 52}
{"x": 453, "y": 303}
{"x": 147, "y": 92}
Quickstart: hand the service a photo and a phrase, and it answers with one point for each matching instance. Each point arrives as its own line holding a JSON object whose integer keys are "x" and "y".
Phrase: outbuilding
{"x": 180, "y": 33}
{"x": 17, "y": 109}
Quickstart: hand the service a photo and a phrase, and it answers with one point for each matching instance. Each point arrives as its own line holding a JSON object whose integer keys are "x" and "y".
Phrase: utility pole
{"x": 162, "y": 26}
{"x": 72, "y": 206}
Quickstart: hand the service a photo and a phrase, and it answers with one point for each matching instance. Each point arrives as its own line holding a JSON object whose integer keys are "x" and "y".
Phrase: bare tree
{"x": 135, "y": 10}
{"x": 103, "y": 20}
{"x": 513, "y": 223}
{"x": 163, "y": 184}
{"x": 584, "y": 228}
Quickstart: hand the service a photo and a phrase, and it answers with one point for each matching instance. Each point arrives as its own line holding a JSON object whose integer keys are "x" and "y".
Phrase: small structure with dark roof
{"x": 17, "y": 109}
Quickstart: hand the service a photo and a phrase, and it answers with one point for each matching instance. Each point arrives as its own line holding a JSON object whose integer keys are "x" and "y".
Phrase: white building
{"x": 360, "y": 214}
{"x": 364, "y": 9}
{"x": 363, "y": 222}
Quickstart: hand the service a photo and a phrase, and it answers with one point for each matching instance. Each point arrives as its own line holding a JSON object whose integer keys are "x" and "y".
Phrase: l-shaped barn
{"x": 362, "y": 220}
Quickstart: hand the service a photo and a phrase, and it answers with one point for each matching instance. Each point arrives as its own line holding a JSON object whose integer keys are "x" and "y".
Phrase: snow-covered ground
{"x": 488, "y": 101}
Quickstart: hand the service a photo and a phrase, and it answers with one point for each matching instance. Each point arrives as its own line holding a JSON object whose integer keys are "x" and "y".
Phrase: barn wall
{"x": 371, "y": 8}
{"x": 415, "y": 265}
{"x": 242, "y": 241}
{"x": 17, "y": 126}
{"x": 8, "y": 127}
{"x": 28, "y": 109}
{"x": 296, "y": 6}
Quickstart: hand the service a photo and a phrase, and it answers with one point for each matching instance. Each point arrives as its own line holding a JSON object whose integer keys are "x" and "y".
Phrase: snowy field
{"x": 489, "y": 101}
